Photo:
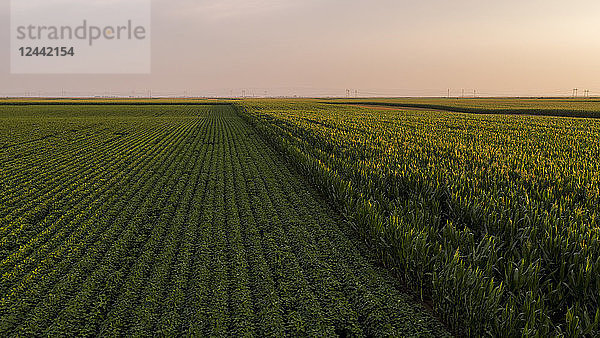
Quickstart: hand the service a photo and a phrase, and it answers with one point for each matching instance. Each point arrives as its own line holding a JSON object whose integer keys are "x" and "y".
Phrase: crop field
{"x": 299, "y": 217}
{"x": 567, "y": 107}
{"x": 184, "y": 220}
{"x": 494, "y": 218}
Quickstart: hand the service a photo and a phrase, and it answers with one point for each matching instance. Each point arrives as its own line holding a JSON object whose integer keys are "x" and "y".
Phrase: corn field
{"x": 494, "y": 218}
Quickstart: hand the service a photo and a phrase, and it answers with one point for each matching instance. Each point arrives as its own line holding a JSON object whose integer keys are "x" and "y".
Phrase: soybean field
{"x": 189, "y": 220}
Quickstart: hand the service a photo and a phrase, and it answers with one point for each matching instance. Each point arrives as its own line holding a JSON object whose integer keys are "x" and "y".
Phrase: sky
{"x": 373, "y": 47}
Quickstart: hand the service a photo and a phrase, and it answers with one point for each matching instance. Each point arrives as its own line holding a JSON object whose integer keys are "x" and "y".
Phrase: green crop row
{"x": 492, "y": 217}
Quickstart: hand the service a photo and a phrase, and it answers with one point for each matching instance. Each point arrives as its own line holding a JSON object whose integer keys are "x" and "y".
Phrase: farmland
{"x": 179, "y": 219}
{"x": 300, "y": 217}
{"x": 492, "y": 217}
{"x": 566, "y": 107}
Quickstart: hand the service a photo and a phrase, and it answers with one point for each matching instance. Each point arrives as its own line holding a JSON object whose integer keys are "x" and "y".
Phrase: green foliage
{"x": 174, "y": 221}
{"x": 492, "y": 217}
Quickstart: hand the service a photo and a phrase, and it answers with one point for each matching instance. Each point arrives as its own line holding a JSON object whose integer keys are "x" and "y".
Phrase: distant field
{"x": 551, "y": 107}
{"x": 493, "y": 217}
{"x": 101, "y": 101}
{"x": 176, "y": 220}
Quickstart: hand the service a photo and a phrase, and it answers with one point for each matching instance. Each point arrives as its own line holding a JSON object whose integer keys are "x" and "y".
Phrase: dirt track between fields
{"x": 396, "y": 108}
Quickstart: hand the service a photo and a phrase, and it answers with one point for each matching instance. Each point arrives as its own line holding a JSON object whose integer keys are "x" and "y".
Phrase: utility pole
{"x": 448, "y": 92}
{"x": 462, "y": 95}
{"x": 474, "y": 93}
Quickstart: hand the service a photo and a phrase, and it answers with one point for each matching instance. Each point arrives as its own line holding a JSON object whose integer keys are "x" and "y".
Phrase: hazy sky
{"x": 322, "y": 47}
